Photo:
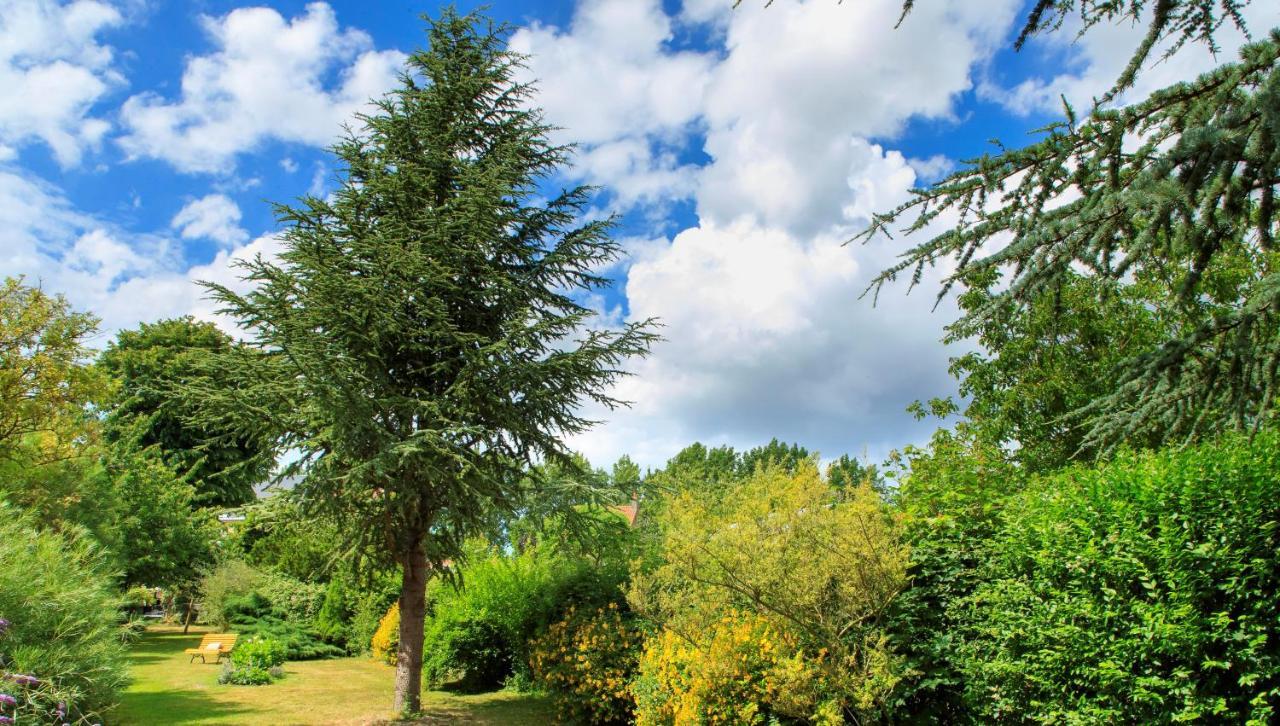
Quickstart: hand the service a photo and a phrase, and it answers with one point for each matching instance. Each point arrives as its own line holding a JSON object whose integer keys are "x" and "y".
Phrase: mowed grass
{"x": 166, "y": 689}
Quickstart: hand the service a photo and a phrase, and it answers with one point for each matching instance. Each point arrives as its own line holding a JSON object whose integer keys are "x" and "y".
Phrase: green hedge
{"x": 1143, "y": 591}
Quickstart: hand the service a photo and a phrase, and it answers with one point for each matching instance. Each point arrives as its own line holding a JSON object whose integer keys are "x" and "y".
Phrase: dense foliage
{"x": 150, "y": 364}
{"x": 1136, "y": 592}
{"x": 256, "y": 661}
{"x": 61, "y": 626}
{"x": 815, "y": 566}
{"x": 587, "y": 661}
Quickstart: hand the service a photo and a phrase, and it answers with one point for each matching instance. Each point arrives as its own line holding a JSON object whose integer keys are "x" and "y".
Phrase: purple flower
{"x": 22, "y": 679}
{"x": 8, "y": 700}
{"x": 62, "y": 709}
{"x": 5, "y": 719}
{"x": 4, "y": 625}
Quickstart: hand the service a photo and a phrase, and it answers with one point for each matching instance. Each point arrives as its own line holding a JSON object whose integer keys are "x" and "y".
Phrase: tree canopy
{"x": 150, "y": 364}
{"x": 46, "y": 381}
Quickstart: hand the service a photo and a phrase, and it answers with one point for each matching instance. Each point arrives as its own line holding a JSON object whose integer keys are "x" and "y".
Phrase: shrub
{"x": 244, "y": 675}
{"x": 587, "y": 661}
{"x": 815, "y": 565}
{"x": 740, "y": 670}
{"x": 259, "y": 653}
{"x": 1141, "y": 591}
{"x": 253, "y": 615}
{"x": 951, "y": 496}
{"x": 368, "y": 609}
{"x": 333, "y": 621}
{"x": 255, "y": 661}
{"x": 291, "y": 600}
{"x": 60, "y": 613}
{"x": 386, "y": 640}
{"x": 478, "y": 636}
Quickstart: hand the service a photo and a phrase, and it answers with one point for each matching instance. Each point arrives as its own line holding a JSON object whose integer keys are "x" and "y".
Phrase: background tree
{"x": 417, "y": 342}
{"x": 149, "y": 365}
{"x": 1179, "y": 186}
{"x": 46, "y": 381}
{"x": 162, "y": 538}
{"x": 1038, "y": 365}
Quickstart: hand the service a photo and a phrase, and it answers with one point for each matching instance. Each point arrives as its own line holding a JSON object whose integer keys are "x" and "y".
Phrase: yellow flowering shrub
{"x": 386, "y": 639}
{"x": 769, "y": 593}
{"x": 741, "y": 670}
{"x": 587, "y": 661}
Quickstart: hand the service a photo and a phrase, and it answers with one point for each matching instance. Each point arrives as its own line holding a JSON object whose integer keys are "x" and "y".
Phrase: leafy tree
{"x": 417, "y": 342}
{"x": 1179, "y": 186}
{"x": 150, "y": 364}
{"x": 162, "y": 539}
{"x": 846, "y": 473}
{"x": 787, "y": 456}
{"x": 279, "y": 534}
{"x": 70, "y": 493}
{"x": 1039, "y": 364}
{"x": 46, "y": 381}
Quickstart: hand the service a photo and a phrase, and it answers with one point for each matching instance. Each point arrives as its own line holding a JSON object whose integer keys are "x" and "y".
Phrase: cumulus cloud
{"x": 614, "y": 85}
{"x": 801, "y": 79}
{"x": 123, "y": 278}
{"x": 295, "y": 80}
{"x": 765, "y": 334}
{"x": 214, "y": 217}
{"x": 53, "y": 70}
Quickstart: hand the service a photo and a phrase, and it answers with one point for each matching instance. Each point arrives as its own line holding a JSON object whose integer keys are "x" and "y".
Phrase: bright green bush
{"x": 291, "y": 600}
{"x": 586, "y": 661}
{"x": 255, "y": 661}
{"x": 478, "y": 636}
{"x": 1142, "y": 591}
{"x": 950, "y": 498}
{"x": 259, "y": 653}
{"x": 62, "y": 622}
{"x": 333, "y": 621}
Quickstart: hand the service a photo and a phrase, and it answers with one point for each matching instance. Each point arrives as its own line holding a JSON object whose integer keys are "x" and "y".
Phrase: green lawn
{"x": 168, "y": 690}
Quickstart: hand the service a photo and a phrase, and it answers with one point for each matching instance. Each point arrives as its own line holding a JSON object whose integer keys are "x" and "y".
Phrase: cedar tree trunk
{"x": 413, "y": 610}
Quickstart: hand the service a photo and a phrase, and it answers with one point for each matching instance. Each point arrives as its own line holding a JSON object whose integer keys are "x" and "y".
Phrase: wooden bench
{"x": 212, "y": 644}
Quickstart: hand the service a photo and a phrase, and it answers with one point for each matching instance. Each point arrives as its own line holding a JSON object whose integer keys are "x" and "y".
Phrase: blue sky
{"x": 141, "y": 141}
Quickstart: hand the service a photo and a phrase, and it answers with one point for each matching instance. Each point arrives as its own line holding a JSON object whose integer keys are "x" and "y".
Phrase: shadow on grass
{"x": 175, "y": 707}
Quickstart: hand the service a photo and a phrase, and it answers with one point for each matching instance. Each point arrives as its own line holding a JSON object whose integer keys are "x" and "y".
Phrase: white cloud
{"x": 801, "y": 79}
{"x": 294, "y": 80}
{"x": 215, "y": 217}
{"x": 123, "y": 278}
{"x": 765, "y": 334}
{"x": 616, "y": 88}
{"x": 53, "y": 70}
